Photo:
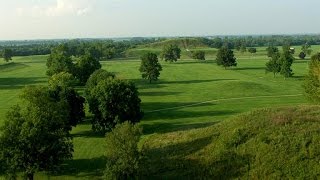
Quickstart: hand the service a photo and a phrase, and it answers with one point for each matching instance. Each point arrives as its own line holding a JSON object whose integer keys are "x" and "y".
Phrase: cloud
{"x": 59, "y": 8}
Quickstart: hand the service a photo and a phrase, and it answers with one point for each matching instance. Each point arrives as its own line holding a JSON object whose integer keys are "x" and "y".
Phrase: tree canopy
{"x": 225, "y": 57}
{"x": 85, "y": 66}
{"x": 200, "y": 55}
{"x": 312, "y": 82}
{"x": 7, "y": 54}
{"x": 171, "y": 53}
{"x": 150, "y": 67}
{"x": 59, "y": 61}
{"x": 33, "y": 136}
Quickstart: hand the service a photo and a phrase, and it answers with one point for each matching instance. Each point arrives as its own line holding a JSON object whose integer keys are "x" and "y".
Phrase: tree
{"x": 7, "y": 54}
{"x": 60, "y": 88}
{"x": 225, "y": 57}
{"x": 122, "y": 151}
{"x": 171, "y": 53}
{"x": 33, "y": 137}
{"x": 286, "y": 61}
{"x": 200, "y": 55}
{"x": 274, "y": 64}
{"x": 252, "y": 50}
{"x": 95, "y": 78}
{"x": 113, "y": 101}
{"x": 150, "y": 67}
{"x": 243, "y": 48}
{"x": 271, "y": 50}
{"x": 302, "y": 55}
{"x": 312, "y": 82}
{"x": 306, "y": 49}
{"x": 85, "y": 66}
{"x": 59, "y": 61}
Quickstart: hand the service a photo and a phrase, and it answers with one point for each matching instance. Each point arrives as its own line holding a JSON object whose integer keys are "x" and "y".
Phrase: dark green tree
{"x": 306, "y": 49}
{"x": 271, "y": 50}
{"x": 302, "y": 55}
{"x": 171, "y": 53}
{"x": 7, "y": 54}
{"x": 123, "y": 156}
{"x": 114, "y": 101}
{"x": 200, "y": 55}
{"x": 60, "y": 88}
{"x": 59, "y": 61}
{"x": 312, "y": 82}
{"x": 33, "y": 137}
{"x": 85, "y": 66}
{"x": 243, "y": 48}
{"x": 150, "y": 67}
{"x": 225, "y": 57}
{"x": 274, "y": 64}
{"x": 252, "y": 50}
{"x": 286, "y": 61}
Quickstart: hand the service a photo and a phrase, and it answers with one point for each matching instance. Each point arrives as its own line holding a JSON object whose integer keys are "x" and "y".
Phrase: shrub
{"x": 122, "y": 151}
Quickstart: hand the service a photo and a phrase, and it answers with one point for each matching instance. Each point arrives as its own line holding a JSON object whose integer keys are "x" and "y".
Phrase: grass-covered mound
{"x": 264, "y": 144}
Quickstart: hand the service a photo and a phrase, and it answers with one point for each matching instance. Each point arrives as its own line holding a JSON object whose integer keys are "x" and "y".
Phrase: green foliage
{"x": 312, "y": 82}
{"x": 302, "y": 55}
{"x": 200, "y": 55}
{"x": 252, "y": 50}
{"x": 274, "y": 65}
{"x": 113, "y": 101}
{"x": 123, "y": 156}
{"x": 150, "y": 67}
{"x": 33, "y": 137}
{"x": 95, "y": 78}
{"x": 7, "y": 54}
{"x": 271, "y": 50}
{"x": 85, "y": 66}
{"x": 59, "y": 61}
{"x": 306, "y": 49}
{"x": 243, "y": 48}
{"x": 62, "y": 79}
{"x": 225, "y": 57}
{"x": 171, "y": 53}
{"x": 286, "y": 61}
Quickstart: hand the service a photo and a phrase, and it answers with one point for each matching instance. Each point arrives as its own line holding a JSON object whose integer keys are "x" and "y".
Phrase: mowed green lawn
{"x": 175, "y": 103}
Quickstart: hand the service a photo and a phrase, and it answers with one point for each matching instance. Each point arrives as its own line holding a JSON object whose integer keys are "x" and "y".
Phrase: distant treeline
{"x": 109, "y": 48}
{"x": 117, "y": 48}
{"x": 235, "y": 42}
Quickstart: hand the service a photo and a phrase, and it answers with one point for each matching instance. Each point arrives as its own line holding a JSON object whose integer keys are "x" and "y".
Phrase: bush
{"x": 302, "y": 55}
{"x": 123, "y": 156}
{"x": 200, "y": 55}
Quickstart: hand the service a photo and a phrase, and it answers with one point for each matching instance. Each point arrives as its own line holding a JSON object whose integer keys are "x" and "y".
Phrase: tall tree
{"x": 252, "y": 50}
{"x": 59, "y": 61}
{"x": 7, "y": 54}
{"x": 150, "y": 67}
{"x": 306, "y": 49}
{"x": 271, "y": 50}
{"x": 274, "y": 64}
{"x": 171, "y": 53}
{"x": 286, "y": 61}
{"x": 225, "y": 57}
{"x": 114, "y": 101}
{"x": 33, "y": 137}
{"x": 85, "y": 66}
{"x": 312, "y": 82}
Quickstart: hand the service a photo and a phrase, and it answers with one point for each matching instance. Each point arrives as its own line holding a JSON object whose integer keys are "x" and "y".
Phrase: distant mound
{"x": 12, "y": 66}
{"x": 183, "y": 43}
{"x": 278, "y": 143}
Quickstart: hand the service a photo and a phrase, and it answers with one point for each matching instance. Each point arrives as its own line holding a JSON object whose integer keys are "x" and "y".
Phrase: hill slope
{"x": 262, "y": 144}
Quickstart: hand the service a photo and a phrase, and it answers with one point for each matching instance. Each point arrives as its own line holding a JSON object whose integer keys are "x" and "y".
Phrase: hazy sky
{"x": 46, "y": 19}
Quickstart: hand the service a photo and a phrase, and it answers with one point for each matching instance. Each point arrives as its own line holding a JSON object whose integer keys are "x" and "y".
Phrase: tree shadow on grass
{"x": 195, "y": 62}
{"x": 299, "y": 78}
{"x": 18, "y": 83}
{"x": 159, "y": 93}
{"x": 172, "y": 162}
{"x": 83, "y": 167}
{"x": 249, "y": 68}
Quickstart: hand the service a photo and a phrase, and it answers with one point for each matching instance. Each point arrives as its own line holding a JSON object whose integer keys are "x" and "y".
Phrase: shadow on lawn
{"x": 18, "y": 83}
{"x": 83, "y": 167}
{"x": 249, "y": 68}
{"x": 174, "y": 162}
{"x": 143, "y": 84}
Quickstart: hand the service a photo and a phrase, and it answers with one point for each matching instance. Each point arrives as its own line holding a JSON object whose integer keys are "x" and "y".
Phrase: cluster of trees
{"x": 6, "y": 54}
{"x": 280, "y": 62}
{"x": 225, "y": 57}
{"x": 312, "y": 82}
{"x": 241, "y": 42}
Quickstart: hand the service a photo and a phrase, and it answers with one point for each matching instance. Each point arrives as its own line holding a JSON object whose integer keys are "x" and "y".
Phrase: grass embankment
{"x": 172, "y": 132}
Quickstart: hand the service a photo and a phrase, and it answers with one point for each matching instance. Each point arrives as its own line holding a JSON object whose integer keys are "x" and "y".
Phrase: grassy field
{"x": 189, "y": 97}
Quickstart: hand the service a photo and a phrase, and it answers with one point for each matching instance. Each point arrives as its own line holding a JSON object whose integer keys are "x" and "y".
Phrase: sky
{"x": 61, "y": 19}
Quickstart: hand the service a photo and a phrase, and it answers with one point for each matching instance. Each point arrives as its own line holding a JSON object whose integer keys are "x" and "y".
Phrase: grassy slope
{"x": 182, "y": 83}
